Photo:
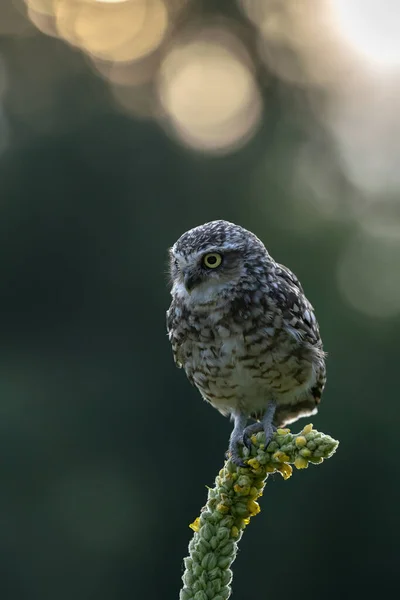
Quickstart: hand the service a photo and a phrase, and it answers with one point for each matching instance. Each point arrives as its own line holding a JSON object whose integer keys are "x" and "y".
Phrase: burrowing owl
{"x": 243, "y": 330}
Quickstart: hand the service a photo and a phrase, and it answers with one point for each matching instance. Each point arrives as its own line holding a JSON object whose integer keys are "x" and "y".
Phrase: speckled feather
{"x": 246, "y": 334}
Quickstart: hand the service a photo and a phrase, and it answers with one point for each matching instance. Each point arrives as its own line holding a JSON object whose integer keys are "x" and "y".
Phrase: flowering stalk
{"x": 233, "y": 501}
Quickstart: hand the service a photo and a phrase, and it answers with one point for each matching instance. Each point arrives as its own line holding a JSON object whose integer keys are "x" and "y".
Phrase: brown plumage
{"x": 243, "y": 330}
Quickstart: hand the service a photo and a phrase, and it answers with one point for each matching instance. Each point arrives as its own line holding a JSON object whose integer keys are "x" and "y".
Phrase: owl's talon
{"x": 264, "y": 425}
{"x": 247, "y": 442}
{"x": 234, "y": 455}
{"x": 251, "y": 430}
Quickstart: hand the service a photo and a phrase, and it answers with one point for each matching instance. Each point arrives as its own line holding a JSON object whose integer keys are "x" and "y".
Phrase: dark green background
{"x": 105, "y": 448}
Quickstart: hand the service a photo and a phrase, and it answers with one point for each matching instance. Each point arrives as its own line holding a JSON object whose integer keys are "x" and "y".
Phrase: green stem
{"x": 233, "y": 501}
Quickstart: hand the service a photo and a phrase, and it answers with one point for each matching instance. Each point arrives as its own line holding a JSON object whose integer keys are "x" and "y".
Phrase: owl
{"x": 243, "y": 331}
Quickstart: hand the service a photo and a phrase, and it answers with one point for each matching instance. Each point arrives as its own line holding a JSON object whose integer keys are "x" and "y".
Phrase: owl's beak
{"x": 190, "y": 280}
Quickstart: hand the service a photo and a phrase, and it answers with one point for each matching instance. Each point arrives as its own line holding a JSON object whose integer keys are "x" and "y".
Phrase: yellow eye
{"x": 212, "y": 261}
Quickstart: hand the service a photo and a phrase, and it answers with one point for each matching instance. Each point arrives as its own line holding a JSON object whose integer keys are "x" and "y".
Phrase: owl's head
{"x": 213, "y": 258}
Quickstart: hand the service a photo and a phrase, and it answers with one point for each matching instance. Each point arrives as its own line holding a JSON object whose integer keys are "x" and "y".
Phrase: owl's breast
{"x": 212, "y": 366}
{"x": 216, "y": 361}
{"x": 211, "y": 352}
{"x": 244, "y": 369}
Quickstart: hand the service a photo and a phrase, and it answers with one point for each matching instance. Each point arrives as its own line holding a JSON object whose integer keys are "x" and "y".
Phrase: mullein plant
{"x": 232, "y": 502}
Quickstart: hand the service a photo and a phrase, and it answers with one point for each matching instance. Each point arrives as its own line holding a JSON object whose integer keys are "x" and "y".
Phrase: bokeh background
{"x": 122, "y": 124}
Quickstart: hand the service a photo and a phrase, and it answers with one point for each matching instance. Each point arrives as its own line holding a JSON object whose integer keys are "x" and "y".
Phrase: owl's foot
{"x": 236, "y": 439}
{"x": 264, "y": 425}
{"x": 256, "y": 428}
{"x": 234, "y": 453}
{"x": 251, "y": 430}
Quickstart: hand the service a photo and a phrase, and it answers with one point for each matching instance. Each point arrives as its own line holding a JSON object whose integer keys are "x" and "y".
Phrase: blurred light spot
{"x": 116, "y": 31}
{"x": 304, "y": 42}
{"x": 44, "y": 7}
{"x": 44, "y": 22}
{"x": 363, "y": 119}
{"x": 208, "y": 90}
{"x": 295, "y": 40}
{"x": 320, "y": 184}
{"x": 368, "y": 275}
{"x": 99, "y": 507}
{"x": 371, "y": 27}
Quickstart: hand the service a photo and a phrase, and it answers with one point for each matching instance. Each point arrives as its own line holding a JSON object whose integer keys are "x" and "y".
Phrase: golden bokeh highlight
{"x": 362, "y": 118}
{"x": 43, "y": 21}
{"x": 296, "y": 41}
{"x": 197, "y": 77}
{"x": 207, "y": 88}
{"x": 109, "y": 30}
{"x": 341, "y": 59}
{"x": 44, "y": 7}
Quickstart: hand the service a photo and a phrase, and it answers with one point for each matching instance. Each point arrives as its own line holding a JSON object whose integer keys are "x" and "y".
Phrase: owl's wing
{"x": 173, "y": 337}
{"x": 297, "y": 312}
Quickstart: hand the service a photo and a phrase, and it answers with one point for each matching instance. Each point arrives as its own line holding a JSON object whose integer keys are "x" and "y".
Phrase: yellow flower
{"x": 285, "y": 470}
{"x": 281, "y": 456}
{"x": 301, "y": 463}
{"x": 195, "y": 525}
{"x": 307, "y": 429}
{"x": 253, "y": 462}
{"x": 301, "y": 441}
{"x": 243, "y": 490}
{"x": 254, "y": 507}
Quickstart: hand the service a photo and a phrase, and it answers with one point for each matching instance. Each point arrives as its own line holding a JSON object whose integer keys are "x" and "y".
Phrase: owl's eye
{"x": 212, "y": 260}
